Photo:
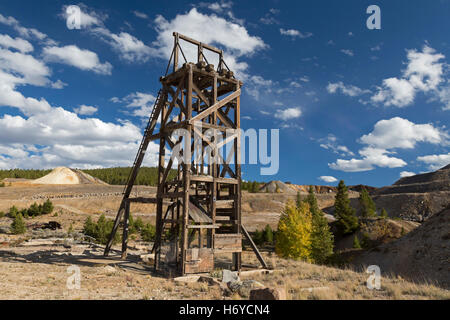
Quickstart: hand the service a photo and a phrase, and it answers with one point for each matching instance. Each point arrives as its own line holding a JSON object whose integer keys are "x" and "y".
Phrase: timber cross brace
{"x": 198, "y": 213}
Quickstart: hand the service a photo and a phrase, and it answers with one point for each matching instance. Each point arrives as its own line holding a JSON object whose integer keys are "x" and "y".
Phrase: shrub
{"x": 268, "y": 234}
{"x": 18, "y": 225}
{"x": 384, "y": 213}
{"x": 47, "y": 207}
{"x": 294, "y": 232}
{"x": 135, "y": 226}
{"x": 2, "y": 214}
{"x": 101, "y": 230}
{"x": 365, "y": 241}
{"x": 148, "y": 232}
{"x": 258, "y": 237}
{"x": 356, "y": 243}
{"x": 13, "y": 211}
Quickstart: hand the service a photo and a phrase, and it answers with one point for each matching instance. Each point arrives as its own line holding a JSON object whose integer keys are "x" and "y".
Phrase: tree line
{"x": 147, "y": 176}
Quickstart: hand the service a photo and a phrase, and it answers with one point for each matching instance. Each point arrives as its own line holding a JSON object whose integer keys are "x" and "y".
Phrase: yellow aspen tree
{"x": 293, "y": 239}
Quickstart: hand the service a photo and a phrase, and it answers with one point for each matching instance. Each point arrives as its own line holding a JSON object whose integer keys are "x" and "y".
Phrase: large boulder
{"x": 268, "y": 294}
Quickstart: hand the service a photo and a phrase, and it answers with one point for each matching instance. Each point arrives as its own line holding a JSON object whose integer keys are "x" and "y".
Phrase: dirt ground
{"x": 33, "y": 266}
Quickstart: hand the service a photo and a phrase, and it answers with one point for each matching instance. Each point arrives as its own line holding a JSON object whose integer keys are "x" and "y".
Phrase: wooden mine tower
{"x": 198, "y": 213}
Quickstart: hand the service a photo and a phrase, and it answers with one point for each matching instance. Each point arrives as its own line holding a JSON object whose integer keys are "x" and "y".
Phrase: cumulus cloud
{"x": 76, "y": 57}
{"x": 371, "y": 157}
{"x": 129, "y": 48}
{"x": 395, "y": 133}
{"x": 28, "y": 33}
{"x": 295, "y": 33}
{"x": 234, "y": 38}
{"x": 404, "y": 174}
{"x": 141, "y": 103}
{"x": 328, "y": 179}
{"x": 85, "y": 110}
{"x": 424, "y": 73}
{"x": 288, "y": 114}
{"x": 402, "y": 133}
{"x": 15, "y": 43}
{"x": 435, "y": 161}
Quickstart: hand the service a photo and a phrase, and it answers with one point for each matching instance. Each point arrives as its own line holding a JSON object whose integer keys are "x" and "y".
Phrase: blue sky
{"x": 366, "y": 106}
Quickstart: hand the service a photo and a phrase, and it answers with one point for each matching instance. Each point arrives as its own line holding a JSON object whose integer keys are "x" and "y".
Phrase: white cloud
{"x": 376, "y": 48}
{"x": 142, "y": 103}
{"x": 130, "y": 48}
{"x": 235, "y": 38}
{"x": 347, "y": 52}
{"x": 22, "y": 69}
{"x": 76, "y": 57}
{"x": 371, "y": 157}
{"x": 20, "y": 44}
{"x": 86, "y": 110}
{"x": 89, "y": 17}
{"x": 395, "y": 133}
{"x": 328, "y": 179}
{"x": 330, "y": 143}
{"x": 140, "y": 14}
{"x": 295, "y": 33}
{"x": 404, "y": 174}
{"x": 424, "y": 73}
{"x": 435, "y": 161}
{"x": 216, "y": 6}
{"x": 58, "y": 85}
{"x": 395, "y": 92}
{"x": 28, "y": 33}
{"x": 401, "y": 133}
{"x": 348, "y": 90}
{"x": 288, "y": 114}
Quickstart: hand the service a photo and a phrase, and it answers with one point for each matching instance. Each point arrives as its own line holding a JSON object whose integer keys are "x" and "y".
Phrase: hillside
{"x": 421, "y": 255}
{"x": 277, "y": 186}
{"x": 416, "y": 198}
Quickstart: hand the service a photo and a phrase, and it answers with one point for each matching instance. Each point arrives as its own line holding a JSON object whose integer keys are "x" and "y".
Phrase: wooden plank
{"x": 198, "y": 43}
{"x": 216, "y": 106}
{"x": 197, "y": 214}
{"x": 200, "y": 94}
{"x": 199, "y": 260}
{"x": 203, "y": 226}
{"x": 228, "y": 242}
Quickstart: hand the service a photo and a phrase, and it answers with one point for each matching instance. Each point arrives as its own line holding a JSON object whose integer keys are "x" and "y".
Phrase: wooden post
{"x": 175, "y": 53}
{"x": 125, "y": 230}
{"x": 237, "y": 160}
{"x": 160, "y": 192}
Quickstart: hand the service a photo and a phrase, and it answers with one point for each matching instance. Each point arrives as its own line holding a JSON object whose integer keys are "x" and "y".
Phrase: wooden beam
{"x": 253, "y": 245}
{"x": 216, "y": 106}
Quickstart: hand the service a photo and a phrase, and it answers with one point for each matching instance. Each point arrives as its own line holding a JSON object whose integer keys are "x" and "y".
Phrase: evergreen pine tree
{"x": 356, "y": 243}
{"x": 268, "y": 234}
{"x": 47, "y": 207}
{"x": 384, "y": 213}
{"x": 322, "y": 240}
{"x": 368, "y": 206}
{"x": 18, "y": 226}
{"x": 347, "y": 221}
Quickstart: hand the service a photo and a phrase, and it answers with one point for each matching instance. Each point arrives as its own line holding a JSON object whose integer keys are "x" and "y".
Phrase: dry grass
{"x": 308, "y": 281}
